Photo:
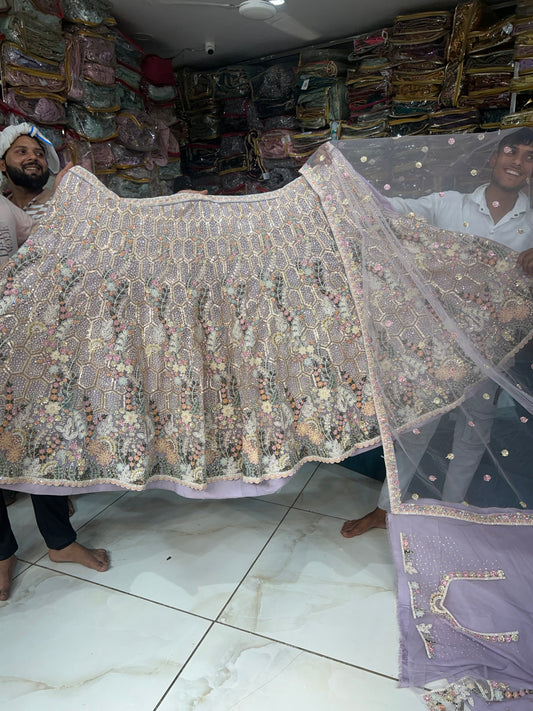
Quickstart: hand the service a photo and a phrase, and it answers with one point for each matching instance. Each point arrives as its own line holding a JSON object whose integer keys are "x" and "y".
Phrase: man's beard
{"x": 23, "y": 180}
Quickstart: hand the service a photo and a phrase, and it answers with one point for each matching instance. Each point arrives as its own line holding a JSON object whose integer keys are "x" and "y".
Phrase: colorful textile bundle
{"x": 232, "y": 81}
{"x": 451, "y": 120}
{"x": 322, "y": 97}
{"x": 93, "y": 13}
{"x": 90, "y": 64}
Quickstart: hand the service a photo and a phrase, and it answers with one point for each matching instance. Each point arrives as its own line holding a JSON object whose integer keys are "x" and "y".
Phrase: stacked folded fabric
{"x": 419, "y": 59}
{"x": 274, "y": 92}
{"x": 488, "y": 71}
{"x": 463, "y": 120}
{"x": 522, "y": 83}
{"x": 466, "y": 19}
{"x": 34, "y": 48}
{"x": 200, "y": 140}
{"x": 322, "y": 97}
{"x": 368, "y": 85}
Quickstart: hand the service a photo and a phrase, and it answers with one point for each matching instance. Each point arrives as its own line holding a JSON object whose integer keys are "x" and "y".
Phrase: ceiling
{"x": 181, "y": 31}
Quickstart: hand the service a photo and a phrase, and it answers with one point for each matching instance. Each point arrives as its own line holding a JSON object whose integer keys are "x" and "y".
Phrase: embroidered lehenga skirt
{"x": 214, "y": 344}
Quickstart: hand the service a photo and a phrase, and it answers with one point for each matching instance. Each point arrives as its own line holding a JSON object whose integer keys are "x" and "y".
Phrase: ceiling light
{"x": 277, "y": 2}
{"x": 257, "y": 9}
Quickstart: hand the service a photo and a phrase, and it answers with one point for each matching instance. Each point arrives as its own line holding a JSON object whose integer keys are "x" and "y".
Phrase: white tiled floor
{"x": 248, "y": 605}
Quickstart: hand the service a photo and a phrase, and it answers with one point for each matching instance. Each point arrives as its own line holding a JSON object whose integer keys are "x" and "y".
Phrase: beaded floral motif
{"x": 414, "y": 591}
{"x": 425, "y": 630}
{"x": 438, "y": 599}
{"x": 461, "y": 695}
{"x": 408, "y": 555}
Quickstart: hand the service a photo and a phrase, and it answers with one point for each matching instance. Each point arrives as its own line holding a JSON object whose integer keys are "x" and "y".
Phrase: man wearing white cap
{"x": 27, "y": 158}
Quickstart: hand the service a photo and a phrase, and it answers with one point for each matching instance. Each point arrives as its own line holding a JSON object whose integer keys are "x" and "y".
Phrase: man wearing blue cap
{"x": 26, "y": 160}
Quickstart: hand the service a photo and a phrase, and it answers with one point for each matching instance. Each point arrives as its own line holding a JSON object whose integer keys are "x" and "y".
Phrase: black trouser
{"x": 51, "y": 514}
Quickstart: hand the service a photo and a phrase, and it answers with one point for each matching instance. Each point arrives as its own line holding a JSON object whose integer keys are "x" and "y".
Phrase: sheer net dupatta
{"x": 447, "y": 319}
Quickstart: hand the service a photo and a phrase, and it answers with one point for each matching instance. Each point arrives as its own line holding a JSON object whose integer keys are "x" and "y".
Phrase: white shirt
{"x": 14, "y": 223}
{"x": 461, "y": 212}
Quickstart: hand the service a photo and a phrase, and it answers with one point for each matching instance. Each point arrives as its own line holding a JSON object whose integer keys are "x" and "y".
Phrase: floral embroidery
{"x": 438, "y": 599}
{"x": 425, "y": 632}
{"x": 407, "y": 555}
{"x": 460, "y": 695}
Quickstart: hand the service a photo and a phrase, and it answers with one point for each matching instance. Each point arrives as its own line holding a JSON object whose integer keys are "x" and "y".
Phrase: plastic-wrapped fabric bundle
{"x": 367, "y": 126}
{"x": 12, "y": 55}
{"x": 239, "y": 114}
{"x": 204, "y": 126}
{"x": 46, "y": 11}
{"x": 317, "y": 106}
{"x": 34, "y": 37}
{"x": 158, "y": 93}
{"x": 36, "y": 79}
{"x": 451, "y": 120}
{"x": 103, "y": 154}
{"x": 421, "y": 28}
{"x": 88, "y": 12}
{"x": 129, "y": 99}
{"x": 232, "y": 81}
{"x": 202, "y": 157}
{"x": 466, "y": 18}
{"x": 127, "y": 76}
{"x": 274, "y": 84}
{"x": 78, "y": 151}
{"x": 171, "y": 170}
{"x": 90, "y": 56}
{"x": 162, "y": 113}
{"x": 92, "y": 125}
{"x": 321, "y": 68}
{"x": 305, "y": 144}
{"x": 46, "y": 7}
{"x": 127, "y": 187}
{"x": 137, "y": 131}
{"x": 127, "y": 52}
{"x": 37, "y": 107}
{"x": 197, "y": 90}
{"x": 497, "y": 35}
{"x": 275, "y": 144}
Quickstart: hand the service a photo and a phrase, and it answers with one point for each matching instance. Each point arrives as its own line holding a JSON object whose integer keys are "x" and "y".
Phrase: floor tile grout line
{"x": 121, "y": 592}
{"x": 259, "y": 554}
{"x": 185, "y": 664}
{"x": 308, "y": 651}
{"x": 275, "y": 641}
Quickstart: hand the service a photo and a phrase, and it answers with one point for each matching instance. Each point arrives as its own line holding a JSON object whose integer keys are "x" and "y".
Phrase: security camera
{"x": 210, "y": 48}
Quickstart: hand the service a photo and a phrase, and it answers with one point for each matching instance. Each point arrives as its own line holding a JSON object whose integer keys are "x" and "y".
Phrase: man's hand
{"x": 61, "y": 174}
{"x": 525, "y": 260}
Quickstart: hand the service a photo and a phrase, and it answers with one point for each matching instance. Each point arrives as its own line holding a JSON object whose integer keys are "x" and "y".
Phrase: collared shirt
{"x": 14, "y": 223}
{"x": 461, "y": 212}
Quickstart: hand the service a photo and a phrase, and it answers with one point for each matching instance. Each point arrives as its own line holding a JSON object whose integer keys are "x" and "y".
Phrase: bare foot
{"x": 7, "y": 567}
{"x": 95, "y": 558}
{"x": 375, "y": 519}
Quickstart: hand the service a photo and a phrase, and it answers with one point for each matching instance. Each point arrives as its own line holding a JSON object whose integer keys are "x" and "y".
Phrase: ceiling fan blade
{"x": 290, "y": 26}
{"x": 195, "y": 3}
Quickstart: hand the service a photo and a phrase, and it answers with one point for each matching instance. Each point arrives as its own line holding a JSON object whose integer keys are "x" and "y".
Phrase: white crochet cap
{"x": 10, "y": 134}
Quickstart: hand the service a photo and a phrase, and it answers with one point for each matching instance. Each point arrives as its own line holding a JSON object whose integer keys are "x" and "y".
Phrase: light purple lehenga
{"x": 212, "y": 345}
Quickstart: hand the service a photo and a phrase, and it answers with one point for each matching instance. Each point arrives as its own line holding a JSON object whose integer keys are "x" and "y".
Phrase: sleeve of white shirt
{"x": 23, "y": 224}
{"x": 425, "y": 206}
{"x": 15, "y": 227}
